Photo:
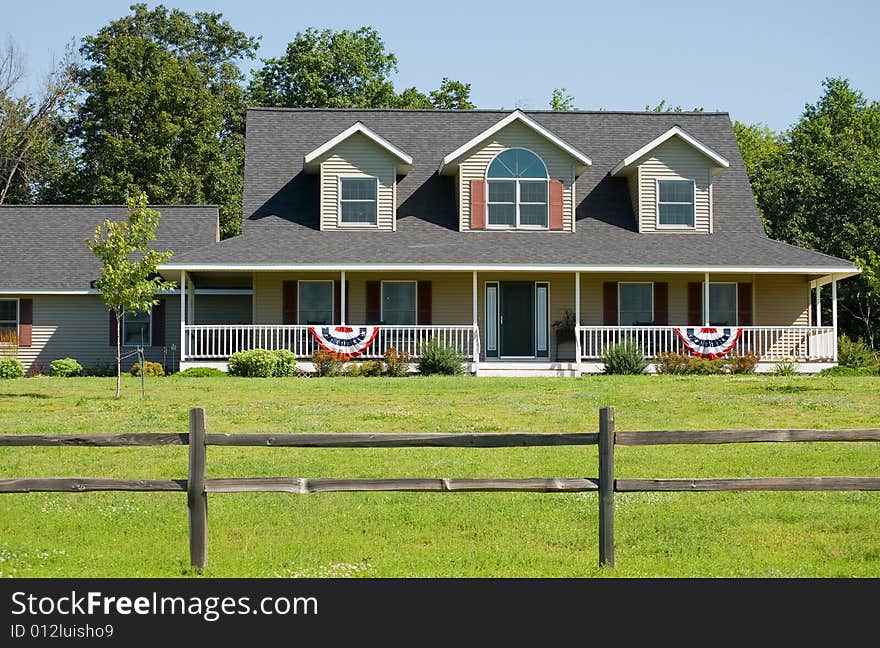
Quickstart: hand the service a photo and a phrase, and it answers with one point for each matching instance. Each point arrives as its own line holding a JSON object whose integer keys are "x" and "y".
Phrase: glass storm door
{"x": 516, "y": 321}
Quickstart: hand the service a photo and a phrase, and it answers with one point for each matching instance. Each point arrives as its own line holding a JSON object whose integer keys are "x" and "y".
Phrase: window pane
{"x": 636, "y": 304}
{"x": 8, "y": 311}
{"x": 315, "y": 302}
{"x": 676, "y": 191}
{"x": 676, "y": 215}
{"x": 534, "y": 192}
{"x": 136, "y": 329}
{"x": 517, "y": 163}
{"x": 399, "y": 302}
{"x": 502, "y": 214}
{"x": 358, "y": 188}
{"x": 502, "y": 191}
{"x": 358, "y": 212}
{"x": 722, "y": 304}
{"x": 533, "y": 215}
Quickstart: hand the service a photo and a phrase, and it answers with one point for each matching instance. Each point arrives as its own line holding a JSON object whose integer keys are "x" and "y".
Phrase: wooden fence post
{"x": 196, "y": 497}
{"x": 606, "y": 487}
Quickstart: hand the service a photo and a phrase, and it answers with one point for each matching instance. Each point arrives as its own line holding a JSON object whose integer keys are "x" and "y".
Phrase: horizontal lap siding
{"x": 674, "y": 160}
{"x": 559, "y": 166}
{"x": 782, "y": 300}
{"x": 77, "y": 326}
{"x": 357, "y": 156}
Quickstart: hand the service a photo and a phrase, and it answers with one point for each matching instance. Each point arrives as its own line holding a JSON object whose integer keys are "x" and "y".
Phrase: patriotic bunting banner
{"x": 709, "y": 341}
{"x": 347, "y": 341}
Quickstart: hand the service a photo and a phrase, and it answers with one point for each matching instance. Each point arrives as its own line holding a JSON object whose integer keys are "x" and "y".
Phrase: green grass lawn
{"x": 424, "y": 534}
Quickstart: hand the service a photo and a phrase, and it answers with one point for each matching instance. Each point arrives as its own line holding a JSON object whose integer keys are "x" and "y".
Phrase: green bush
{"x": 365, "y": 369}
{"x": 200, "y": 372}
{"x": 397, "y": 363}
{"x": 11, "y": 368}
{"x": 849, "y": 371}
{"x": 258, "y": 363}
{"x": 785, "y": 368}
{"x": 741, "y": 364}
{"x": 437, "y": 358}
{"x": 327, "y": 363}
{"x": 151, "y": 369}
{"x": 286, "y": 366}
{"x": 625, "y": 358}
{"x": 683, "y": 365}
{"x": 855, "y": 354}
{"x": 66, "y": 368}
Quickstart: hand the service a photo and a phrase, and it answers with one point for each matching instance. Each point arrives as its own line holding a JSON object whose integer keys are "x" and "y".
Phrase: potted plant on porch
{"x": 564, "y": 328}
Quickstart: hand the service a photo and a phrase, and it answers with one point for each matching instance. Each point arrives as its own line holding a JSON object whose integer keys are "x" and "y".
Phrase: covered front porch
{"x": 510, "y": 322}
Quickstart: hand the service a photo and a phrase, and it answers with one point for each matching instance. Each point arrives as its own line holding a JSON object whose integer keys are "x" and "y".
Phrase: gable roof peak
{"x": 311, "y": 159}
{"x": 630, "y": 160}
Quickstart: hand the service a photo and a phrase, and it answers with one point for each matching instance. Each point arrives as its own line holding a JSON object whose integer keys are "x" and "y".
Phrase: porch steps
{"x": 527, "y": 369}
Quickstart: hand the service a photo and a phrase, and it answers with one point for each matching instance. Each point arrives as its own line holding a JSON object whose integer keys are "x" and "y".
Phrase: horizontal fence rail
{"x": 197, "y": 486}
{"x": 767, "y": 342}
{"x": 218, "y": 342}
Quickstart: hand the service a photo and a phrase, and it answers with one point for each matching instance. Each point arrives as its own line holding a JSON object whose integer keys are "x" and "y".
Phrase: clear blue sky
{"x": 758, "y": 60}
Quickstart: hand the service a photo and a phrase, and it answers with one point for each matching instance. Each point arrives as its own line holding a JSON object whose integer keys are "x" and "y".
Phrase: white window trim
{"x": 339, "y": 220}
{"x": 17, "y": 315}
{"x": 619, "y": 300}
{"x": 148, "y": 342}
{"x": 693, "y": 203}
{"x": 332, "y": 297}
{"x": 735, "y": 284}
{"x": 415, "y": 297}
{"x": 517, "y": 203}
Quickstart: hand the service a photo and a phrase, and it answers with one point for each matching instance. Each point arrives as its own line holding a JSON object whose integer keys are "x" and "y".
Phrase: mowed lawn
{"x": 425, "y": 534}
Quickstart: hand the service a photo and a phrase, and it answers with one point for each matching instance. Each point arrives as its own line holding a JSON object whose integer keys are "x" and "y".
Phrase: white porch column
{"x": 476, "y": 348}
{"x": 818, "y": 304}
{"x": 182, "y": 314}
{"x": 834, "y": 312}
{"x": 342, "y": 313}
{"x": 577, "y": 321}
{"x": 706, "y": 299}
{"x": 191, "y": 301}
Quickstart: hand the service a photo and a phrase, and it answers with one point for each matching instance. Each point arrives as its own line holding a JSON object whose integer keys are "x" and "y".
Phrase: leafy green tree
{"x": 163, "y": 111}
{"x": 452, "y": 95}
{"x": 129, "y": 279}
{"x": 763, "y": 152}
{"x": 664, "y": 107}
{"x": 561, "y": 100}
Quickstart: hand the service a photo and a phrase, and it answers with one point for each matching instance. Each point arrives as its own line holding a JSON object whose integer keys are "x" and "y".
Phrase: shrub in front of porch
{"x": 625, "y": 358}
{"x": 11, "y": 368}
{"x": 397, "y": 363}
{"x": 856, "y": 354}
{"x": 327, "y": 363}
{"x": 439, "y": 359}
{"x": 151, "y": 369}
{"x": 66, "y": 368}
{"x": 261, "y": 363}
{"x": 365, "y": 369}
{"x": 684, "y": 365}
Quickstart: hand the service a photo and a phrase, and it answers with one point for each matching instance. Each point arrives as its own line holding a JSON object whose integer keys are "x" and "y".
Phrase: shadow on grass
{"x": 24, "y": 395}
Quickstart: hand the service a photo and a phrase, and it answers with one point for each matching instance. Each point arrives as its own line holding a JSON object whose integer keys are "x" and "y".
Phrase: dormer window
{"x": 517, "y": 191}
{"x": 357, "y": 203}
{"x": 675, "y": 205}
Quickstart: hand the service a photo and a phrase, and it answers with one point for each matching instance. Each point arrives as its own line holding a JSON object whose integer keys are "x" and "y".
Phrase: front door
{"x": 516, "y": 320}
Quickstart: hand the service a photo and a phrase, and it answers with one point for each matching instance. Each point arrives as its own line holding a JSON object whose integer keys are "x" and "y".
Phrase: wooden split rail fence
{"x": 197, "y": 486}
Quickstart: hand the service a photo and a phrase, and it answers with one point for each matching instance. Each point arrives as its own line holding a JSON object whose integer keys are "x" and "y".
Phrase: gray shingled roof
{"x": 42, "y": 247}
{"x": 281, "y": 200}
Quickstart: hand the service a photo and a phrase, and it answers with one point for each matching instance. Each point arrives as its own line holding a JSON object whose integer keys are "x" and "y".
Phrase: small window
{"x": 636, "y": 304}
{"x": 8, "y": 317}
{"x": 722, "y": 304}
{"x": 676, "y": 203}
{"x": 137, "y": 329}
{"x": 518, "y": 190}
{"x": 315, "y": 302}
{"x": 399, "y": 302}
{"x": 357, "y": 201}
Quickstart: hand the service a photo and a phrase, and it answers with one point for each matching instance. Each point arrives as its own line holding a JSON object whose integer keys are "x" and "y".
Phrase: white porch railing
{"x": 767, "y": 342}
{"x": 218, "y": 342}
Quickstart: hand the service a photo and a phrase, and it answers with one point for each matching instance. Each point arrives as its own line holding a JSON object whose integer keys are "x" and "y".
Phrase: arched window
{"x": 518, "y": 187}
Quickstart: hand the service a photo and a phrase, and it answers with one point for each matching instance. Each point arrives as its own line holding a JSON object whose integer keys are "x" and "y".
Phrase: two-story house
{"x": 487, "y": 230}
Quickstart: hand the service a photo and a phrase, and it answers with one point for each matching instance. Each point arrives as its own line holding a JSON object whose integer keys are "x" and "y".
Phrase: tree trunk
{"x": 118, "y": 356}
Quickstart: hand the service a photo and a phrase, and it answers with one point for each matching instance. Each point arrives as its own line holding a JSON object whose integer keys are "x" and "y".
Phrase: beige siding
{"x": 674, "y": 160}
{"x": 632, "y": 183}
{"x": 358, "y": 156}
{"x": 223, "y": 309}
{"x": 559, "y": 165}
{"x": 78, "y": 326}
{"x": 782, "y": 300}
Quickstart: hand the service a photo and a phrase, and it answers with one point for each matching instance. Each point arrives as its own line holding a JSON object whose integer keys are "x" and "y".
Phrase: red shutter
{"x": 25, "y": 322}
{"x": 424, "y": 295}
{"x": 609, "y": 303}
{"x": 695, "y": 303}
{"x": 337, "y": 301}
{"x": 478, "y": 204}
{"x": 744, "y": 304}
{"x": 556, "y": 204}
{"x": 159, "y": 324}
{"x": 288, "y": 301}
{"x": 374, "y": 302}
{"x": 113, "y": 331}
{"x": 661, "y": 303}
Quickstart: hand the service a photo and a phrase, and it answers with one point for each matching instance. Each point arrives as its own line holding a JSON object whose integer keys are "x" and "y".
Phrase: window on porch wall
{"x": 399, "y": 302}
{"x": 315, "y": 302}
{"x": 636, "y": 304}
{"x": 137, "y": 329}
{"x": 722, "y": 304}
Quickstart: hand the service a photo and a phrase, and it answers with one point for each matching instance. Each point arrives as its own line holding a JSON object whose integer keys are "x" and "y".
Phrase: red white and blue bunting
{"x": 347, "y": 341}
{"x": 709, "y": 341}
